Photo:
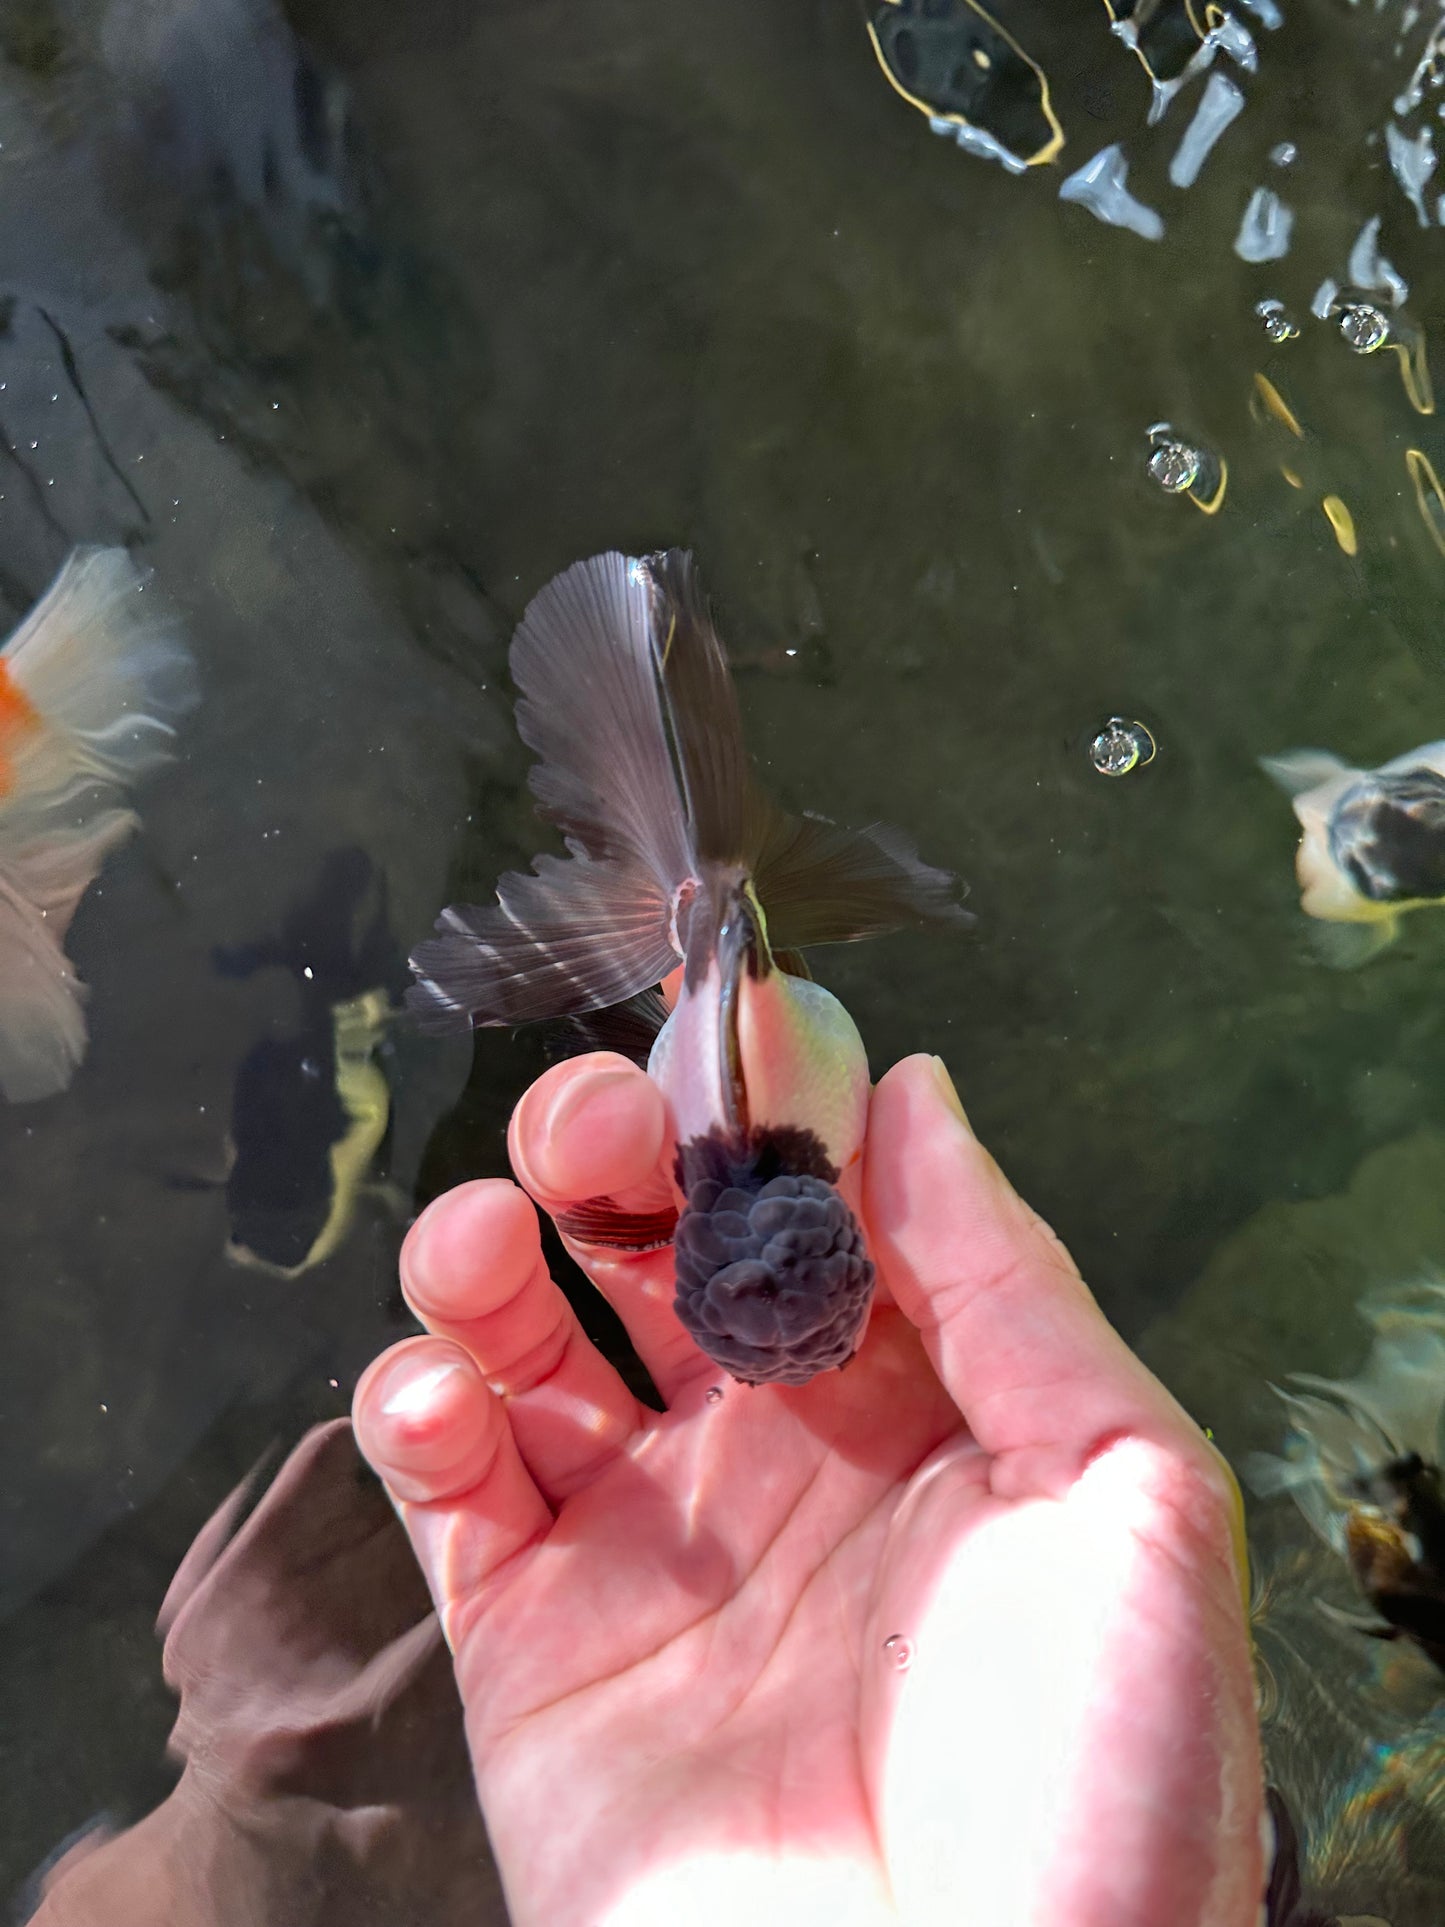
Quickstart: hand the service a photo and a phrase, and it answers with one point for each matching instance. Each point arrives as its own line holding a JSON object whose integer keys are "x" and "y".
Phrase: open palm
{"x": 955, "y": 1634}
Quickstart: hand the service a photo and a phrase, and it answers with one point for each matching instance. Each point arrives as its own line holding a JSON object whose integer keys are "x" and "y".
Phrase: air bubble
{"x": 714, "y": 1394}
{"x": 1363, "y": 328}
{"x": 899, "y": 1651}
{"x": 1174, "y": 466}
{"x": 1278, "y": 324}
{"x": 1121, "y": 746}
{"x": 1183, "y": 467}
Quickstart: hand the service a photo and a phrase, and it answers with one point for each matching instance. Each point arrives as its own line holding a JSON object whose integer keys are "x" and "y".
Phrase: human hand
{"x": 953, "y": 1635}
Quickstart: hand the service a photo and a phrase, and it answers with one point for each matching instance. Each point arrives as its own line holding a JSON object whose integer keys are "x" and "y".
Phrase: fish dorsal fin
{"x": 588, "y": 706}
{"x": 820, "y": 883}
{"x": 727, "y": 813}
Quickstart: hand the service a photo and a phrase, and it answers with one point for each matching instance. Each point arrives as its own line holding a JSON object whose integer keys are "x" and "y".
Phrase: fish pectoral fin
{"x": 574, "y": 935}
{"x": 820, "y": 883}
{"x": 1297, "y": 770}
{"x": 1347, "y": 946}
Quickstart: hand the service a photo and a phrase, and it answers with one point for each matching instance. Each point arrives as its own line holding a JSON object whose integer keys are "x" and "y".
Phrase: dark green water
{"x": 520, "y": 282}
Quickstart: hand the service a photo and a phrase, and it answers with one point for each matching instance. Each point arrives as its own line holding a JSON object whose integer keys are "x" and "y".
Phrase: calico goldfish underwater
{"x": 1372, "y": 842}
{"x": 89, "y": 685}
{"x": 675, "y": 856}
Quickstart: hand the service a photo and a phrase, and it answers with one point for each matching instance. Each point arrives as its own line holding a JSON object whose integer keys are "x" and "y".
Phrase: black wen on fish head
{"x": 773, "y": 1280}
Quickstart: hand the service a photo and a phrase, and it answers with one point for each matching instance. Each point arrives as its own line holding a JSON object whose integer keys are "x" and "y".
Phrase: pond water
{"x": 357, "y": 323}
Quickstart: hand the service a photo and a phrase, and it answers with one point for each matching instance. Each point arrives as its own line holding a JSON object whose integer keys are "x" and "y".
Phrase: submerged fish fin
{"x": 1297, "y": 770}
{"x": 594, "y": 929}
{"x": 819, "y": 883}
{"x": 727, "y": 814}
{"x": 1346, "y": 946}
{"x": 89, "y": 684}
{"x": 1370, "y": 1624}
{"x": 588, "y": 705}
{"x": 630, "y": 1028}
{"x": 575, "y": 935}
{"x": 42, "y": 1001}
{"x": 1427, "y": 756}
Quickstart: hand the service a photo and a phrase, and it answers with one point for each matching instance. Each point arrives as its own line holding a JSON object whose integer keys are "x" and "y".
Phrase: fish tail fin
{"x": 595, "y": 928}
{"x": 42, "y": 1001}
{"x": 820, "y": 883}
{"x": 89, "y": 684}
{"x": 630, "y": 1029}
{"x": 727, "y": 814}
{"x": 817, "y": 882}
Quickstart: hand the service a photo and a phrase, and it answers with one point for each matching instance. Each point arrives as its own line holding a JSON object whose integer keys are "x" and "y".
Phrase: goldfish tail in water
{"x": 626, "y": 697}
{"x": 89, "y": 684}
{"x": 592, "y": 929}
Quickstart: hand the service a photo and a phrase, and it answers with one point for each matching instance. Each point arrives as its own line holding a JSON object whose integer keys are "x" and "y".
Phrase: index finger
{"x": 1043, "y": 1380}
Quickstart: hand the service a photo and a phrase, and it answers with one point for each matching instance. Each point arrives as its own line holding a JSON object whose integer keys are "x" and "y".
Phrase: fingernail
{"x": 601, "y": 1131}
{"x": 948, "y": 1093}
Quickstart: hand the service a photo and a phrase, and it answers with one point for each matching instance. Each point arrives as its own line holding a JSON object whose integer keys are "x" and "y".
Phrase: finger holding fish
{"x": 592, "y": 1142}
{"x": 473, "y": 1271}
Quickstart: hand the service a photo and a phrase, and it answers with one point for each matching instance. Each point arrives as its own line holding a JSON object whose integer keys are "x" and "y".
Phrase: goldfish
{"x": 1372, "y": 842}
{"x": 676, "y": 857}
{"x": 89, "y": 686}
{"x": 1353, "y": 1731}
{"x": 1363, "y": 1463}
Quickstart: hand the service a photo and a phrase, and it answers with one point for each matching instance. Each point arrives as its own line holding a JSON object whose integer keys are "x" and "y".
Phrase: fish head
{"x": 1327, "y": 888}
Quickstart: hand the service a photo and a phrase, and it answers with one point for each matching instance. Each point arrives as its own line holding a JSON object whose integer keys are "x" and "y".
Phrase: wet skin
{"x": 669, "y": 1629}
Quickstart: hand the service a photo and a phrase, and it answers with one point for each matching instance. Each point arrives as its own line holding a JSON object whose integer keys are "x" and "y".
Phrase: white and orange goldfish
{"x": 88, "y": 685}
{"x": 675, "y": 855}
